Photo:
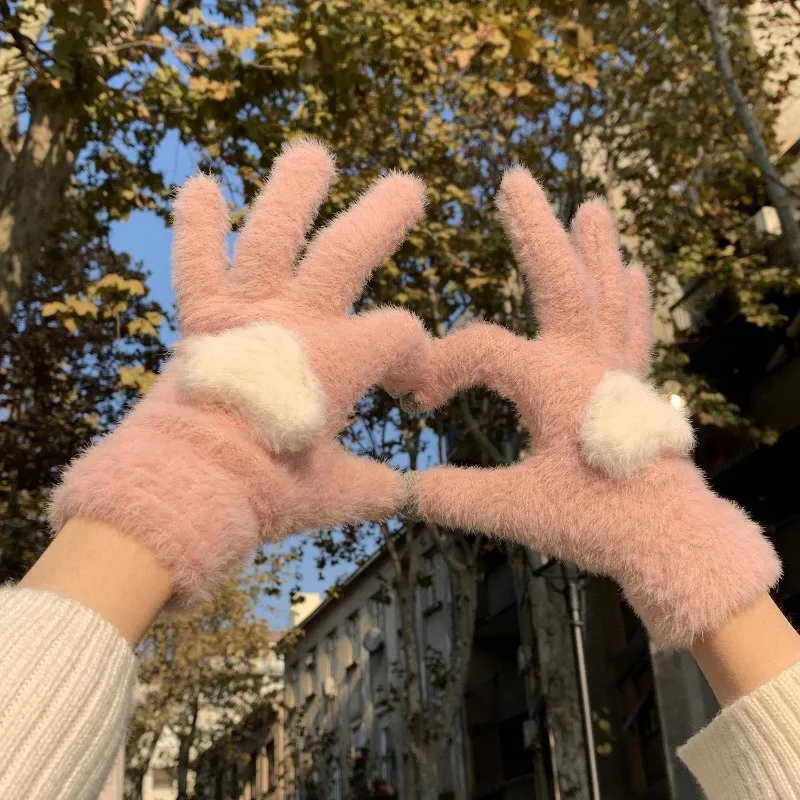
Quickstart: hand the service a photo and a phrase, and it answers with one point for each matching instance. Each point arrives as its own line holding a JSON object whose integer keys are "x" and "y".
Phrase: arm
{"x": 163, "y": 509}
{"x": 608, "y": 484}
{"x": 104, "y": 570}
{"x": 67, "y": 668}
{"x": 752, "y": 748}
{"x": 752, "y": 648}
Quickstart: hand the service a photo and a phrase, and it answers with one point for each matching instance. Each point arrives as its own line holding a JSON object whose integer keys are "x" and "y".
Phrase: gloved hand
{"x": 608, "y": 483}
{"x": 235, "y": 444}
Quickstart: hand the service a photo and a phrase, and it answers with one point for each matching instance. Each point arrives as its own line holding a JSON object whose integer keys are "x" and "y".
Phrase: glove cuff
{"x": 194, "y": 512}
{"x": 718, "y": 566}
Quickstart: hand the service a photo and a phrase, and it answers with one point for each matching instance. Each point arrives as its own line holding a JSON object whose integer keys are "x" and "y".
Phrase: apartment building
{"x": 337, "y": 731}
{"x": 343, "y": 728}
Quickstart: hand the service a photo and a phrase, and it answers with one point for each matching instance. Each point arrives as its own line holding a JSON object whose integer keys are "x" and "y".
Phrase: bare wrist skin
{"x": 748, "y": 651}
{"x": 107, "y": 571}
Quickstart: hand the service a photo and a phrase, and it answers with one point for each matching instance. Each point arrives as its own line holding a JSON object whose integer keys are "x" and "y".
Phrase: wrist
{"x": 102, "y": 568}
{"x": 749, "y": 650}
{"x": 176, "y": 493}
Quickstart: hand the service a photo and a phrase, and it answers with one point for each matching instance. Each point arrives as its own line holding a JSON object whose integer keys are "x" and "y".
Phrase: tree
{"x": 91, "y": 85}
{"x": 201, "y": 673}
{"x": 777, "y": 192}
{"x": 684, "y": 184}
{"x": 86, "y": 342}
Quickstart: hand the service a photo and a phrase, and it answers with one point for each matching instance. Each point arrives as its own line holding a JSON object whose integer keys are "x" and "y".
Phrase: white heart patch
{"x": 627, "y": 424}
{"x": 263, "y": 372}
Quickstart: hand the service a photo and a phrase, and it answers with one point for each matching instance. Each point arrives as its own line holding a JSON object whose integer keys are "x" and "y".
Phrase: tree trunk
{"x": 183, "y": 769}
{"x": 36, "y": 165}
{"x": 776, "y": 191}
{"x": 428, "y": 725}
{"x": 33, "y": 183}
{"x": 559, "y": 681}
{"x": 426, "y": 777}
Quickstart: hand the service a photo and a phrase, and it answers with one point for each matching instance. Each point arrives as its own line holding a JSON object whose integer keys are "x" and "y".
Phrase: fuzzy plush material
{"x": 236, "y": 443}
{"x": 627, "y": 424}
{"x": 281, "y": 401}
{"x": 686, "y": 559}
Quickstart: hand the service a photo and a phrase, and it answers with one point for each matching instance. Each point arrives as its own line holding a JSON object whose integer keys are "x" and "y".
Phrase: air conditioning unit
{"x": 373, "y": 640}
{"x": 329, "y": 688}
{"x": 767, "y": 222}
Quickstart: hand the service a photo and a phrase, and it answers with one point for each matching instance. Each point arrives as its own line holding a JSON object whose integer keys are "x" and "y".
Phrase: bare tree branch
{"x": 480, "y": 437}
{"x": 441, "y": 545}
{"x": 391, "y": 549}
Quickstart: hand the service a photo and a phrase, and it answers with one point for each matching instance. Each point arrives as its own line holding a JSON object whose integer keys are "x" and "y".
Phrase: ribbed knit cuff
{"x": 66, "y": 677}
{"x": 752, "y": 748}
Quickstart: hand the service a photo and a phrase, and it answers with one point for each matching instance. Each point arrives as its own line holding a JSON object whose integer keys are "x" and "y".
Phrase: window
{"x": 291, "y": 689}
{"x": 378, "y": 611}
{"x": 163, "y": 777}
{"x": 311, "y": 672}
{"x": 271, "y": 768}
{"x": 386, "y": 754}
{"x": 336, "y": 780}
{"x": 358, "y": 739}
{"x": 379, "y": 676}
{"x": 353, "y": 639}
{"x": 331, "y": 648}
{"x": 432, "y": 593}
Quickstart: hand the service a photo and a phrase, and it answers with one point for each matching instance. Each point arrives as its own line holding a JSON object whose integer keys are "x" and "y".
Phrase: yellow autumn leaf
{"x": 140, "y": 326}
{"x": 589, "y": 78}
{"x": 503, "y": 89}
{"x": 284, "y": 39}
{"x": 478, "y": 281}
{"x": 523, "y": 88}
{"x": 137, "y": 377}
{"x": 56, "y": 307}
{"x": 110, "y": 281}
{"x": 82, "y": 307}
{"x": 240, "y": 38}
{"x": 134, "y": 286}
{"x": 463, "y": 57}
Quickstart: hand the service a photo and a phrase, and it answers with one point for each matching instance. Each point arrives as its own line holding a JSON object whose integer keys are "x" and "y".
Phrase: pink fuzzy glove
{"x": 609, "y": 483}
{"x": 236, "y": 443}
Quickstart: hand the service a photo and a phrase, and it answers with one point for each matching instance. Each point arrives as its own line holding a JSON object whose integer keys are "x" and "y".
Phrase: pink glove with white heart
{"x": 236, "y": 442}
{"x": 609, "y": 484}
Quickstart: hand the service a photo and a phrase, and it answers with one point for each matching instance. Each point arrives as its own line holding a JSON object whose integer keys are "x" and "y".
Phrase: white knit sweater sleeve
{"x": 751, "y": 749}
{"x": 66, "y": 677}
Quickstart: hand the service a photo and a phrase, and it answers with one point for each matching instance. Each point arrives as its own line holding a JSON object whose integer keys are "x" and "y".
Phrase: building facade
{"x": 344, "y": 735}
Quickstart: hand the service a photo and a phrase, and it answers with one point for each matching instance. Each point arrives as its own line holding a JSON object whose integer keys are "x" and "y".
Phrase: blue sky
{"x": 148, "y": 240}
